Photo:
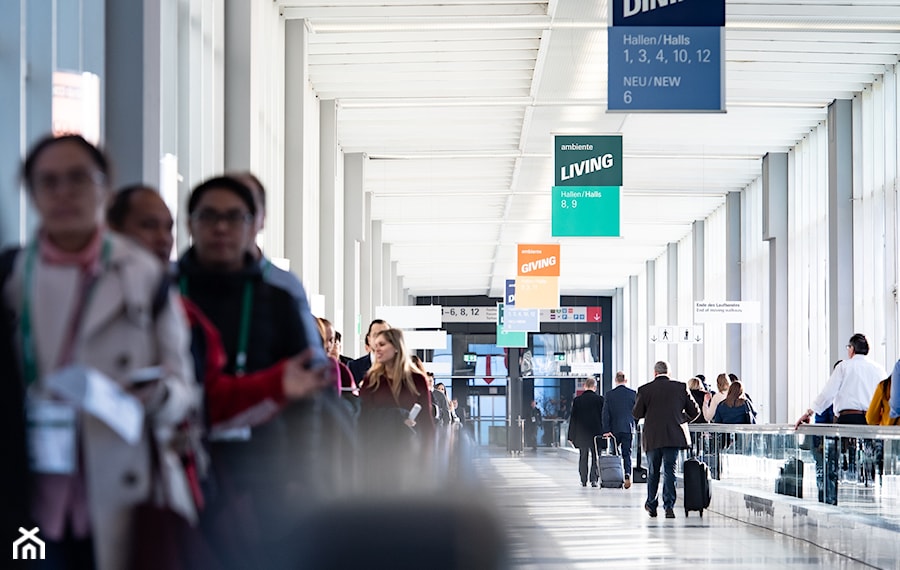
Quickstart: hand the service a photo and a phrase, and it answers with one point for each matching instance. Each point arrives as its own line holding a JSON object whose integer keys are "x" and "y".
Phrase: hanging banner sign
{"x": 537, "y": 292}
{"x": 666, "y": 56}
{"x": 668, "y": 13}
{"x": 587, "y": 160}
{"x": 510, "y": 293}
{"x": 588, "y": 175}
{"x": 537, "y": 260}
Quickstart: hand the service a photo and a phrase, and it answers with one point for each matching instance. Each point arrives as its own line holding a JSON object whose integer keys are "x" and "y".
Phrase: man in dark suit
{"x": 666, "y": 406}
{"x": 360, "y": 366}
{"x": 586, "y": 422}
{"x": 618, "y": 420}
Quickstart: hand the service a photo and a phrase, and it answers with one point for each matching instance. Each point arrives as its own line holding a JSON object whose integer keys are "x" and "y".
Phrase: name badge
{"x": 51, "y": 436}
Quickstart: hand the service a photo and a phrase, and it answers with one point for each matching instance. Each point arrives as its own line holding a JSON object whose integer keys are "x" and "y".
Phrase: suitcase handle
{"x": 615, "y": 446}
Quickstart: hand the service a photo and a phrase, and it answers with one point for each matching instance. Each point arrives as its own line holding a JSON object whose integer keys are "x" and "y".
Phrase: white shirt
{"x": 709, "y": 408}
{"x": 851, "y": 386}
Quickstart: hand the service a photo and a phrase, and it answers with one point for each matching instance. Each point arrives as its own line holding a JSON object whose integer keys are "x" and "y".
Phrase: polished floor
{"x": 554, "y": 524}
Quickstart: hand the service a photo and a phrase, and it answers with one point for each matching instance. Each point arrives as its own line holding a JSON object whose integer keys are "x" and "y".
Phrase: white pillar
{"x": 354, "y": 237}
{"x": 775, "y": 229}
{"x": 12, "y": 65}
{"x": 239, "y": 85}
{"x": 331, "y": 216}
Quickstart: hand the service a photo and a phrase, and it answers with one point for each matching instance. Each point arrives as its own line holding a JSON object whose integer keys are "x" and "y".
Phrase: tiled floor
{"x": 556, "y": 524}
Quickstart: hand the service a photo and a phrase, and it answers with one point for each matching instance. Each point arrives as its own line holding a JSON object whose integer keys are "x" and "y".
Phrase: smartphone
{"x": 414, "y": 411}
{"x": 148, "y": 374}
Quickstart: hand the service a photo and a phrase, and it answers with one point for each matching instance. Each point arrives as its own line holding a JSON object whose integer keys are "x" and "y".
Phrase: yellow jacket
{"x": 879, "y": 412}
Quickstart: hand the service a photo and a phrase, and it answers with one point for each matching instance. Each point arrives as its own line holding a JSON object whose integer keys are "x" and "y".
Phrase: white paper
{"x": 103, "y": 398}
{"x": 51, "y": 436}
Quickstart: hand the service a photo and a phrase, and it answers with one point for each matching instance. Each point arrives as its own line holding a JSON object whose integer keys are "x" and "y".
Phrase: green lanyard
{"x": 240, "y": 360}
{"x": 29, "y": 352}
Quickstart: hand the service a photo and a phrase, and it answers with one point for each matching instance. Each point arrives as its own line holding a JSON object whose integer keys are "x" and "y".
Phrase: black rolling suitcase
{"x": 638, "y": 473}
{"x": 610, "y": 467}
{"x": 696, "y": 486}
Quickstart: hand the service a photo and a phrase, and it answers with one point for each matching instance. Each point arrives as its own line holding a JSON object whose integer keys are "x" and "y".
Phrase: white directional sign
{"x": 680, "y": 334}
{"x": 727, "y": 312}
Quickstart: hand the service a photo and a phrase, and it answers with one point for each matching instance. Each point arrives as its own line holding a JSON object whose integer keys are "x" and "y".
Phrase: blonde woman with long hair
{"x": 396, "y": 448}
{"x": 393, "y": 382}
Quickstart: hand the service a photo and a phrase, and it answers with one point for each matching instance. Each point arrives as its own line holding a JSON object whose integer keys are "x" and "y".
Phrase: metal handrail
{"x": 835, "y": 430}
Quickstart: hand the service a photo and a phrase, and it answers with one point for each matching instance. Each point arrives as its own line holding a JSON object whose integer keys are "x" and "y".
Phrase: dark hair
{"x": 97, "y": 156}
{"x": 337, "y": 336}
{"x": 120, "y": 206}
{"x": 372, "y": 324}
{"x": 222, "y": 183}
{"x": 252, "y": 178}
{"x": 735, "y": 395}
{"x": 859, "y": 343}
{"x": 733, "y": 377}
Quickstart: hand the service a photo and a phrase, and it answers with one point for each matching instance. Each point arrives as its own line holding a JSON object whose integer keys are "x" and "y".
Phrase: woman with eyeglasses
{"x": 94, "y": 317}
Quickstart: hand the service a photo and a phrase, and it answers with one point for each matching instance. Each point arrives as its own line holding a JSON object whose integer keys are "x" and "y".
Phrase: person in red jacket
{"x": 140, "y": 213}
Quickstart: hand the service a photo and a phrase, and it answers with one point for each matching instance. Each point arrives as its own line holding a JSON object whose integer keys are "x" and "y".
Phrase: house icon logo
{"x": 28, "y": 546}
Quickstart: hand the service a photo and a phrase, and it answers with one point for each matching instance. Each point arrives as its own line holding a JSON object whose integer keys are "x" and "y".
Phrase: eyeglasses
{"x": 77, "y": 178}
{"x": 232, "y": 218}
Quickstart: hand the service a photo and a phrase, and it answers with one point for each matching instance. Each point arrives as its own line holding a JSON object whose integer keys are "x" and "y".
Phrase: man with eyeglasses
{"x": 260, "y": 325}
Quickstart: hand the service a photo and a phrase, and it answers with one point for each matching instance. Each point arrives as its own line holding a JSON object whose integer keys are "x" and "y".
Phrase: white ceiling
{"x": 455, "y": 103}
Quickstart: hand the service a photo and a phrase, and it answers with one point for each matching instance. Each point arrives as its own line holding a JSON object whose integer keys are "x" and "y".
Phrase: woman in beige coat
{"x": 90, "y": 302}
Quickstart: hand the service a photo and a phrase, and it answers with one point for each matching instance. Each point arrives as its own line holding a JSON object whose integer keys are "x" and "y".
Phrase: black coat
{"x": 359, "y": 367}
{"x": 586, "y": 420}
{"x": 14, "y": 477}
{"x": 666, "y": 407}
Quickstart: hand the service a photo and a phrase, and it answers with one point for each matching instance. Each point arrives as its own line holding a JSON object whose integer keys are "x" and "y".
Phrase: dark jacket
{"x": 439, "y": 399}
{"x": 586, "y": 420}
{"x": 666, "y": 406}
{"x": 617, "y": 410}
{"x": 726, "y": 414}
{"x": 15, "y": 479}
{"x": 359, "y": 367}
{"x": 275, "y": 332}
{"x": 699, "y": 396}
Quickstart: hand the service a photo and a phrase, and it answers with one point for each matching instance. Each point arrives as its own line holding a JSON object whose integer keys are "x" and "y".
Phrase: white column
{"x": 840, "y": 227}
{"x": 12, "y": 69}
{"x": 634, "y": 331}
{"x": 619, "y": 329}
{"x": 775, "y": 228}
{"x": 699, "y": 270}
{"x": 672, "y": 305}
{"x": 377, "y": 276}
{"x": 733, "y": 278}
{"x": 354, "y": 235}
{"x": 387, "y": 288}
{"x": 652, "y": 321}
{"x": 331, "y": 234}
{"x": 132, "y": 91}
{"x": 366, "y": 265}
{"x": 239, "y": 84}
{"x": 296, "y": 74}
